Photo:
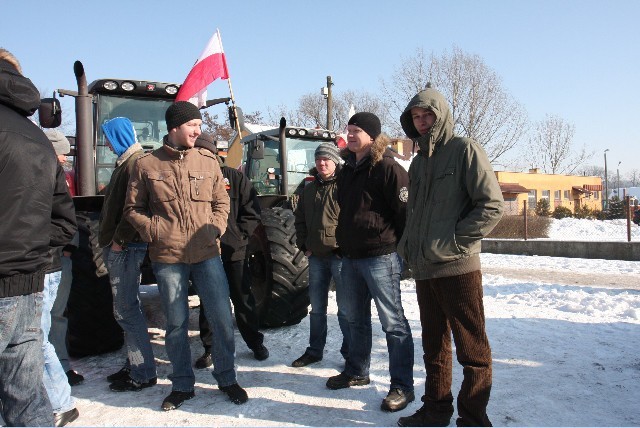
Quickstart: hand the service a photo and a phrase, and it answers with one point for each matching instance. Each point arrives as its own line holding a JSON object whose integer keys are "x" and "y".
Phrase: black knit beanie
{"x": 206, "y": 141}
{"x": 368, "y": 122}
{"x": 181, "y": 112}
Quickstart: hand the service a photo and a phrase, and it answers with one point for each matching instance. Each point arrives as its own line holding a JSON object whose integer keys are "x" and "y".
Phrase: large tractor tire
{"x": 279, "y": 270}
{"x": 92, "y": 327}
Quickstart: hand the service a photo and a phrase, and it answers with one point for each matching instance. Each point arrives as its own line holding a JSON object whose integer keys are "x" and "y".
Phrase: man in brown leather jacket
{"x": 178, "y": 203}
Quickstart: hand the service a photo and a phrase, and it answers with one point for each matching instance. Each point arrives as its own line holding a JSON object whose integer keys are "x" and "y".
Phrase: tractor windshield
{"x": 265, "y": 174}
{"x": 147, "y": 116}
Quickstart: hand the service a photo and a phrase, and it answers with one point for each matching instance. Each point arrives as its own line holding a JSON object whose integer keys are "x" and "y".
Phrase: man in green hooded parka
{"x": 454, "y": 201}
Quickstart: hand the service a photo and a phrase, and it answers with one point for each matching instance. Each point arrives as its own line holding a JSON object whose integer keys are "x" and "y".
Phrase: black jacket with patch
{"x": 372, "y": 197}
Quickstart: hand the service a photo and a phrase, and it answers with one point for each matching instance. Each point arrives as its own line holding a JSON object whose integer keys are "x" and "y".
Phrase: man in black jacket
{"x": 244, "y": 217}
{"x": 34, "y": 200}
{"x": 372, "y": 194}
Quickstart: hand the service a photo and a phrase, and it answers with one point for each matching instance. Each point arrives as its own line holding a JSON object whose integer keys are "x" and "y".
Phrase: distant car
{"x": 636, "y": 216}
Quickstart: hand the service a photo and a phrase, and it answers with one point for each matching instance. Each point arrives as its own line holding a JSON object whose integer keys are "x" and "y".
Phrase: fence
{"x": 619, "y": 223}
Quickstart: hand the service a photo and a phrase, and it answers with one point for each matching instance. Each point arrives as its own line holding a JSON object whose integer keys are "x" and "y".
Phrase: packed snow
{"x": 565, "y": 344}
{"x": 564, "y": 355}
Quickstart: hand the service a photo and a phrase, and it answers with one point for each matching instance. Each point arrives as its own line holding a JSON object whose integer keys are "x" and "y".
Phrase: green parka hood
{"x": 442, "y": 129}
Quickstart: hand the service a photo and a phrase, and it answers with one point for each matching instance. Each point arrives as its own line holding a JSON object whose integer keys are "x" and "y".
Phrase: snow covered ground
{"x": 565, "y": 351}
{"x": 564, "y": 355}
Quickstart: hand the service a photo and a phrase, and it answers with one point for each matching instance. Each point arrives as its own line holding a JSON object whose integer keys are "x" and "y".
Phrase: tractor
{"x": 277, "y": 161}
{"x": 92, "y": 327}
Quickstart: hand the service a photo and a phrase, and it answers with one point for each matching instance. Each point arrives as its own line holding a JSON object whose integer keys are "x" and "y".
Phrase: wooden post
{"x": 627, "y": 203}
{"x": 525, "y": 220}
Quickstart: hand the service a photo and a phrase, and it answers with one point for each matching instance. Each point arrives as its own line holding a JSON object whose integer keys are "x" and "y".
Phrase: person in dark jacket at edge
{"x": 59, "y": 322}
{"x": 54, "y": 376}
{"x": 316, "y": 221}
{"x": 372, "y": 195}
{"x": 454, "y": 201}
{"x": 36, "y": 219}
{"x": 123, "y": 254}
{"x": 244, "y": 217}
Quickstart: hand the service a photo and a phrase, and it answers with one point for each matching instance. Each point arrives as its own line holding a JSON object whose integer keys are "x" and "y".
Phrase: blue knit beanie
{"x": 120, "y": 133}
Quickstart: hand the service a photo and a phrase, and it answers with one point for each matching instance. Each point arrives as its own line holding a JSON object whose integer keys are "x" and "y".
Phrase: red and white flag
{"x": 211, "y": 65}
{"x": 341, "y": 139}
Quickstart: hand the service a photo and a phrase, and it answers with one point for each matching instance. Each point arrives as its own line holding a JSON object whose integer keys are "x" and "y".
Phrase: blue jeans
{"x": 24, "y": 399}
{"x": 59, "y": 323}
{"x": 377, "y": 278}
{"x": 124, "y": 276}
{"x": 54, "y": 377}
{"x": 211, "y": 284}
{"x": 321, "y": 270}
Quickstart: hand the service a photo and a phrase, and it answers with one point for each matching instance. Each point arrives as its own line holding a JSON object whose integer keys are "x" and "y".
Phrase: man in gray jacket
{"x": 454, "y": 201}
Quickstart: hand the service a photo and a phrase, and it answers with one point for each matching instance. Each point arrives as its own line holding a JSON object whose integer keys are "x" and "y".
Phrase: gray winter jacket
{"x": 454, "y": 196}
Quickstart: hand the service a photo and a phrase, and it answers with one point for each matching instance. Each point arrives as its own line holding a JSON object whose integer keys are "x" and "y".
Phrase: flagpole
{"x": 233, "y": 100}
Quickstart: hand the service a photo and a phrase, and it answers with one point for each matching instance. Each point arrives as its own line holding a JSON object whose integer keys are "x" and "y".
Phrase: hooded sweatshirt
{"x": 454, "y": 196}
{"x": 37, "y": 216}
{"x": 113, "y": 227}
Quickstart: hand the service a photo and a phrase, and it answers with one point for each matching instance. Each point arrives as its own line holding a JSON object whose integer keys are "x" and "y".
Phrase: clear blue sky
{"x": 579, "y": 60}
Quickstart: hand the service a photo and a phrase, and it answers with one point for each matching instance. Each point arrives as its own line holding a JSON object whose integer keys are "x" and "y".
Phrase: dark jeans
{"x": 59, "y": 323}
{"x": 244, "y": 307}
{"x": 211, "y": 284}
{"x": 454, "y": 305}
{"x": 24, "y": 399}
{"x": 321, "y": 270}
{"x": 377, "y": 278}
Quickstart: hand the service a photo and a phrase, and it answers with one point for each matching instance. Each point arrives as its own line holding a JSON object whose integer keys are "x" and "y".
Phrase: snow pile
{"x": 570, "y": 229}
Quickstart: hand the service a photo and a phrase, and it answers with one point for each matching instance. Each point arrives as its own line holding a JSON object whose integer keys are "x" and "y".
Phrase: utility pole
{"x": 326, "y": 93}
{"x": 618, "y": 172}
{"x": 606, "y": 182}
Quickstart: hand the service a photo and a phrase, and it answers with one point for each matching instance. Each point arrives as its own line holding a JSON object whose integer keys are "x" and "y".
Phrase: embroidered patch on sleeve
{"x": 404, "y": 194}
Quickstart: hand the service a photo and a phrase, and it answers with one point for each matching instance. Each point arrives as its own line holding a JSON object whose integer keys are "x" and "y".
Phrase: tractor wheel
{"x": 279, "y": 270}
{"x": 92, "y": 328}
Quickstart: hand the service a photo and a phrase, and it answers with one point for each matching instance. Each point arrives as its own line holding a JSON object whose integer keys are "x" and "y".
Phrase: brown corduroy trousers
{"x": 454, "y": 305}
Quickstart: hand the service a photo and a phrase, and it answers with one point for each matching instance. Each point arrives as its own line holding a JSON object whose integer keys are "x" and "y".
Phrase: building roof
{"x": 512, "y": 188}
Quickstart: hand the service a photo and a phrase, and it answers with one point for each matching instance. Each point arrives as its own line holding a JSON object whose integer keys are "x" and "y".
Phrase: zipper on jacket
{"x": 195, "y": 183}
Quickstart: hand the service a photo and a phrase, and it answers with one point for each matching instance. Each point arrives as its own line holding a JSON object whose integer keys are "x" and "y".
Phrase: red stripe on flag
{"x": 206, "y": 71}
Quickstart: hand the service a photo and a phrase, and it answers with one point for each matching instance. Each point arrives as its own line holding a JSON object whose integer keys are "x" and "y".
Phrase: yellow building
{"x": 571, "y": 191}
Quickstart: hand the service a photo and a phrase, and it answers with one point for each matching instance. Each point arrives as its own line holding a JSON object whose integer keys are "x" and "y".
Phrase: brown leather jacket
{"x": 178, "y": 203}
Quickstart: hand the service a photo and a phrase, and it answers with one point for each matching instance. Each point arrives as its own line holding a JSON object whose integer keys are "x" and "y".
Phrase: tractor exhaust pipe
{"x": 85, "y": 175}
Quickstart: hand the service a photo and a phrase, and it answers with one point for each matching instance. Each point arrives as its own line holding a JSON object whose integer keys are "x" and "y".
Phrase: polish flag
{"x": 341, "y": 139}
{"x": 211, "y": 65}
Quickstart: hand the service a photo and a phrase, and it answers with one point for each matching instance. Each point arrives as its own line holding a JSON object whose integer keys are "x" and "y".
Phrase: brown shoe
{"x": 61, "y": 419}
{"x": 397, "y": 399}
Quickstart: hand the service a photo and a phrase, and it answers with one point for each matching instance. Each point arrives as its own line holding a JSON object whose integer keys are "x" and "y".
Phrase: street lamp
{"x": 618, "y": 171}
{"x": 606, "y": 182}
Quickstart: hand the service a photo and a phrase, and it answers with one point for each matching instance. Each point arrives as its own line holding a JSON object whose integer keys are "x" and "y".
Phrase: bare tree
{"x": 592, "y": 171}
{"x": 633, "y": 178}
{"x": 481, "y": 107}
{"x": 312, "y": 109}
{"x": 220, "y": 128}
{"x": 550, "y": 147}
